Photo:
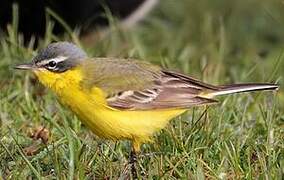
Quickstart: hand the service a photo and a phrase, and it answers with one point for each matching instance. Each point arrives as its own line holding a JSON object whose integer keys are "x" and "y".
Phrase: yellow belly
{"x": 116, "y": 124}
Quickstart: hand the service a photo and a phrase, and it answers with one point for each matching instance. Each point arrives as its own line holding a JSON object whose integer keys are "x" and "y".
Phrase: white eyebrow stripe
{"x": 57, "y": 60}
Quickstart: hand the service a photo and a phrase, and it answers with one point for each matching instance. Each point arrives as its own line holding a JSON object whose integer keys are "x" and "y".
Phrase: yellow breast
{"x": 91, "y": 107}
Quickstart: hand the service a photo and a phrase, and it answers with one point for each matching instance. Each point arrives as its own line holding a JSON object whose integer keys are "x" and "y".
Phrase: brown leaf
{"x": 31, "y": 150}
{"x": 41, "y": 133}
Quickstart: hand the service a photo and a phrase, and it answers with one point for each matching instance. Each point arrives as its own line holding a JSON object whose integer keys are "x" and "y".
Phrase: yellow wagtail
{"x": 123, "y": 98}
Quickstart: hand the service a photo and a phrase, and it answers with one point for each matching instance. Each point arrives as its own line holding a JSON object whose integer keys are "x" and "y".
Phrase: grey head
{"x": 57, "y": 57}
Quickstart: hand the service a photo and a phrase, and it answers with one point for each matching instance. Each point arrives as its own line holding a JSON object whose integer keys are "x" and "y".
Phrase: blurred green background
{"x": 217, "y": 41}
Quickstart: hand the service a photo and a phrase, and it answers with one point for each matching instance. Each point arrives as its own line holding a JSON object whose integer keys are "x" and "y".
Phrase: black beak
{"x": 24, "y": 66}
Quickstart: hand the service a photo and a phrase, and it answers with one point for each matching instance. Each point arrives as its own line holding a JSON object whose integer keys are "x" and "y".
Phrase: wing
{"x": 137, "y": 85}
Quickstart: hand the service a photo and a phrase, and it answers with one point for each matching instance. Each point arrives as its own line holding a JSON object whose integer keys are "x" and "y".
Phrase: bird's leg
{"x": 133, "y": 158}
{"x": 133, "y": 162}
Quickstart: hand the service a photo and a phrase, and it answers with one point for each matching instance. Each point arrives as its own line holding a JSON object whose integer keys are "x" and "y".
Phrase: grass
{"x": 219, "y": 42}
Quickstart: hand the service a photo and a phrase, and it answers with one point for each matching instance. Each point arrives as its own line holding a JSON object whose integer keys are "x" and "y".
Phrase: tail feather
{"x": 238, "y": 88}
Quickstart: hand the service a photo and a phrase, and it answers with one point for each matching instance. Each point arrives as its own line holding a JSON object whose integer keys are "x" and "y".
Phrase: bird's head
{"x": 55, "y": 61}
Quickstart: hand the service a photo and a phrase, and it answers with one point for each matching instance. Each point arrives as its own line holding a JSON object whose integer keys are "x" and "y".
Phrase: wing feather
{"x": 137, "y": 85}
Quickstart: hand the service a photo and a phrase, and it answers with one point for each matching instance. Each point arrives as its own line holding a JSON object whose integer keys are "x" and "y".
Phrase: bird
{"x": 123, "y": 99}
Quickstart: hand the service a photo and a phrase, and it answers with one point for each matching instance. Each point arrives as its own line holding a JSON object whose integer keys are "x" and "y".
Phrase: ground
{"x": 219, "y": 42}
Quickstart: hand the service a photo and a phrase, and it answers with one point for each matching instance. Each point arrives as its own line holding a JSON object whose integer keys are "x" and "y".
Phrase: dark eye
{"x": 52, "y": 64}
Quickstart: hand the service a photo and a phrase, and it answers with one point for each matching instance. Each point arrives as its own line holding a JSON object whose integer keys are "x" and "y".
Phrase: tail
{"x": 239, "y": 88}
